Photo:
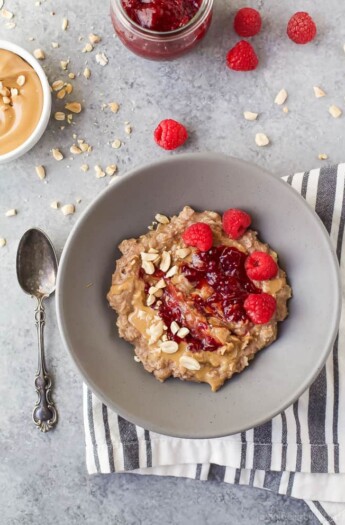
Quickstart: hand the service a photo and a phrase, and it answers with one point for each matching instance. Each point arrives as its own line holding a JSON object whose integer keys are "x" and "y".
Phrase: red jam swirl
{"x": 220, "y": 275}
{"x": 161, "y": 15}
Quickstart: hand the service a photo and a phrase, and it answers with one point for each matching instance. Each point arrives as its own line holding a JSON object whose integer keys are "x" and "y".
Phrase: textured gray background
{"x": 43, "y": 477}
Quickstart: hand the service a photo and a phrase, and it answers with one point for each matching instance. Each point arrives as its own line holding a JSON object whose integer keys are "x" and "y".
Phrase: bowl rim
{"x": 310, "y": 378}
{"x": 47, "y": 102}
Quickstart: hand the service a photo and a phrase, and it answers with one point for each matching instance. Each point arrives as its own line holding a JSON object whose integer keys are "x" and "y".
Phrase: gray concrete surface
{"x": 43, "y": 478}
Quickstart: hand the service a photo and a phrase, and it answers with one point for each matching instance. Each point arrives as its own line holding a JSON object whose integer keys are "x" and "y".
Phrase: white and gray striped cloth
{"x": 300, "y": 453}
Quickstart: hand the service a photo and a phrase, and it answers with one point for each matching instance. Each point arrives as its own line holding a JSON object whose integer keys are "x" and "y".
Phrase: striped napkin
{"x": 300, "y": 453}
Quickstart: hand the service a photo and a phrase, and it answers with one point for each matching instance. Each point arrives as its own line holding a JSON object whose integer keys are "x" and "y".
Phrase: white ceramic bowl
{"x": 47, "y": 102}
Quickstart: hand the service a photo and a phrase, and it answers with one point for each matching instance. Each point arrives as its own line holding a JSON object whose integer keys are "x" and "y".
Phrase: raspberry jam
{"x": 161, "y": 15}
{"x": 220, "y": 287}
{"x": 161, "y": 29}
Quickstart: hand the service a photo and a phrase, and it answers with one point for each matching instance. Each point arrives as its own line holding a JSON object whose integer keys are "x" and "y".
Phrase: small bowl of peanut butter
{"x": 25, "y": 101}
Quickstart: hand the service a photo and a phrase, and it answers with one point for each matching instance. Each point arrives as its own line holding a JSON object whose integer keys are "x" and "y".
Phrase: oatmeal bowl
{"x": 190, "y": 295}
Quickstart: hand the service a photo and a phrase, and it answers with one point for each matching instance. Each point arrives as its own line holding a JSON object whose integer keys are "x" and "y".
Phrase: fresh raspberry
{"x": 247, "y": 22}
{"x": 301, "y": 28}
{"x": 260, "y": 308}
{"x": 199, "y": 235}
{"x": 260, "y": 266}
{"x": 242, "y": 57}
{"x": 235, "y": 222}
{"x": 170, "y": 134}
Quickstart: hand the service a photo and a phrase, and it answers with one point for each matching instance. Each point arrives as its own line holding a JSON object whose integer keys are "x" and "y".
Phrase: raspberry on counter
{"x": 247, "y": 22}
{"x": 242, "y": 57}
{"x": 301, "y": 28}
{"x": 170, "y": 134}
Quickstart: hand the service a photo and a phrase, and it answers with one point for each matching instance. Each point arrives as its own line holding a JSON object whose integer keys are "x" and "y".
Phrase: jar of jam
{"x": 161, "y": 29}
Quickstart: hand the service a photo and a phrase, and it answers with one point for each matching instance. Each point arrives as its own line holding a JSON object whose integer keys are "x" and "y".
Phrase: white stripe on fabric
{"x": 259, "y": 478}
{"x": 291, "y": 439}
{"x": 276, "y": 457}
{"x": 341, "y": 346}
{"x": 245, "y": 476}
{"x": 250, "y": 449}
{"x": 205, "y": 468}
{"x": 297, "y": 180}
{"x": 230, "y": 474}
{"x": 303, "y": 403}
{"x": 116, "y": 441}
{"x": 313, "y": 181}
{"x": 142, "y": 447}
{"x": 90, "y": 458}
{"x": 284, "y": 482}
{"x": 102, "y": 449}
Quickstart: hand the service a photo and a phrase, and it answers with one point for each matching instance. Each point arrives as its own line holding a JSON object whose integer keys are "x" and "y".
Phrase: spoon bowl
{"x": 36, "y": 264}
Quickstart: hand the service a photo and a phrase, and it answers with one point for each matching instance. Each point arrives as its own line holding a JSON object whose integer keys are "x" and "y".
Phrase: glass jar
{"x": 156, "y": 45}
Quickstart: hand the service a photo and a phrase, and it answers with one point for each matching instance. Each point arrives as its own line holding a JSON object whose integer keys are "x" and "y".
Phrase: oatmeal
{"x": 198, "y": 296}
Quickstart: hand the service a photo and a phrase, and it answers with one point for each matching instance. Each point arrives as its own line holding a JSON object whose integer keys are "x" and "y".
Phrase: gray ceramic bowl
{"x": 278, "y": 375}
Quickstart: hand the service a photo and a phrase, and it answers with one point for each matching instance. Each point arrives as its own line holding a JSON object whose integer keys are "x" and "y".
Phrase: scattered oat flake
{"x": 55, "y": 45}
{"x": 116, "y": 144}
{"x": 84, "y": 168}
{"x": 94, "y": 39}
{"x": 111, "y": 169}
{"x": 114, "y": 106}
{"x": 87, "y": 73}
{"x": 248, "y": 115}
{"x": 41, "y": 172}
{"x": 59, "y": 115}
{"x": 102, "y": 59}
{"x": 39, "y": 54}
{"x": 64, "y": 64}
{"x": 87, "y": 48}
{"x": 261, "y": 139}
{"x": 57, "y": 154}
{"x": 6, "y": 14}
{"x": 335, "y": 111}
{"x": 68, "y": 209}
{"x": 64, "y": 24}
{"x": 57, "y": 85}
{"x": 2, "y": 242}
{"x": 281, "y": 97}
{"x": 75, "y": 107}
{"x": 61, "y": 94}
{"x": 69, "y": 88}
{"x": 75, "y": 150}
{"x": 318, "y": 92}
{"x": 128, "y": 129}
{"x": 322, "y": 156}
{"x": 88, "y": 285}
{"x": 99, "y": 172}
{"x": 78, "y": 200}
{"x": 55, "y": 205}
{"x": 11, "y": 213}
{"x": 285, "y": 109}
{"x": 71, "y": 75}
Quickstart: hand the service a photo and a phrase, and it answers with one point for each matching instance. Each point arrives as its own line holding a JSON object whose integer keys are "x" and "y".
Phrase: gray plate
{"x": 278, "y": 375}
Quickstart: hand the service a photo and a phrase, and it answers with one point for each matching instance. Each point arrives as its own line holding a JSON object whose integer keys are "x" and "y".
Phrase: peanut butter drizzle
{"x": 19, "y": 118}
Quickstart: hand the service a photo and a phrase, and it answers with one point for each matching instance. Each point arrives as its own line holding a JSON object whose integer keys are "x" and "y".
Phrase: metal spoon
{"x": 36, "y": 272}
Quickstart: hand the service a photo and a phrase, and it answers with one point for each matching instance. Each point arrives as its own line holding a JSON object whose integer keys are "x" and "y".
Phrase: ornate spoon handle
{"x": 44, "y": 413}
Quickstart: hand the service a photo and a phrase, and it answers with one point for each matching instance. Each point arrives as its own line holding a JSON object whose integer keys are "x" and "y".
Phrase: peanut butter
{"x": 21, "y": 101}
